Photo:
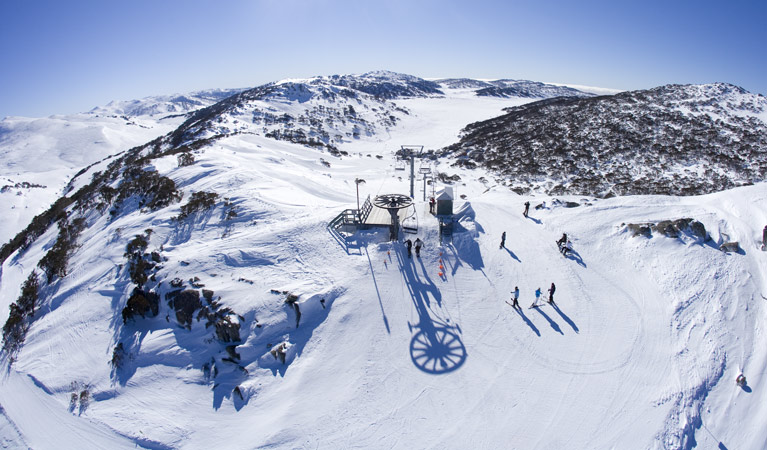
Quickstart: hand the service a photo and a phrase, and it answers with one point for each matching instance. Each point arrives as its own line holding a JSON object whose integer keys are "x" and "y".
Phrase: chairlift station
{"x": 393, "y": 209}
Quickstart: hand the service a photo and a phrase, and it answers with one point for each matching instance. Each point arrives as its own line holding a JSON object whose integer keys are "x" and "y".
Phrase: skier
{"x": 527, "y": 208}
{"x": 418, "y": 244}
{"x": 764, "y": 238}
{"x": 409, "y": 245}
{"x": 515, "y": 299}
{"x": 562, "y": 240}
{"x": 503, "y": 239}
{"x": 432, "y": 203}
{"x": 537, "y": 297}
{"x": 551, "y": 293}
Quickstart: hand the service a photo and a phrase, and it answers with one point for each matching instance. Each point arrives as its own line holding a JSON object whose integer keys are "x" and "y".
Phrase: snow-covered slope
{"x": 640, "y": 350}
{"x": 39, "y": 156}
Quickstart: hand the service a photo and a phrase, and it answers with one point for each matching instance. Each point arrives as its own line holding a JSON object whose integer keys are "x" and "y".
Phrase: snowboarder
{"x": 503, "y": 239}
{"x": 432, "y": 204}
{"x": 551, "y": 293}
{"x": 515, "y": 298}
{"x": 418, "y": 244}
{"x": 527, "y": 208}
{"x": 409, "y": 245}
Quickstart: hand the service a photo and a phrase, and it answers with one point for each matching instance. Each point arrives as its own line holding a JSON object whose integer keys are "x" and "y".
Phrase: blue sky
{"x": 59, "y": 57}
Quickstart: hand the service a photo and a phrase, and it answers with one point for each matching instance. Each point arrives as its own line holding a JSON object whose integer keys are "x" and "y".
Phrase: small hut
{"x": 445, "y": 201}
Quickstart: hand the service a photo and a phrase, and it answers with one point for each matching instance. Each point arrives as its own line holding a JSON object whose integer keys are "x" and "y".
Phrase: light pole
{"x": 357, "y": 181}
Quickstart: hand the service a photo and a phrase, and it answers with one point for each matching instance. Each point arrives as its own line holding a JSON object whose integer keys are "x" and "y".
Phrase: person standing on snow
{"x": 537, "y": 296}
{"x": 764, "y": 237}
{"x": 432, "y": 204}
{"x": 567, "y": 248}
{"x": 418, "y": 244}
{"x": 503, "y": 240}
{"x": 409, "y": 245}
{"x": 527, "y": 208}
{"x": 551, "y": 293}
{"x": 515, "y": 298}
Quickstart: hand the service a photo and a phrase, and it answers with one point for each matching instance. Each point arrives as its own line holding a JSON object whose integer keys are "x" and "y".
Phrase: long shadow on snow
{"x": 378, "y": 293}
{"x": 527, "y": 321}
{"x": 575, "y": 256}
{"x": 512, "y": 254}
{"x": 553, "y": 324}
{"x": 436, "y": 347}
{"x": 565, "y": 317}
{"x": 537, "y": 221}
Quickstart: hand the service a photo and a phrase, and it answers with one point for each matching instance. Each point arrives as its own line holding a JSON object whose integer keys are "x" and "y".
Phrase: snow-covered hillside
{"x": 675, "y": 139}
{"x": 40, "y": 155}
{"x": 272, "y": 330}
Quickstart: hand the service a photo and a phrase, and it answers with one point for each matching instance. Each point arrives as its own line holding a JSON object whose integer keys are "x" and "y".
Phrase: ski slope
{"x": 640, "y": 349}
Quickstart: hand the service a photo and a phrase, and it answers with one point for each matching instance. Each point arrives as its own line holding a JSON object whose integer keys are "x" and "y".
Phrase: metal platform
{"x": 380, "y": 216}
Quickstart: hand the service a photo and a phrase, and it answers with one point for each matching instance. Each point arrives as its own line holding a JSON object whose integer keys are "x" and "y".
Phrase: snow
{"x": 48, "y": 152}
{"x": 640, "y": 350}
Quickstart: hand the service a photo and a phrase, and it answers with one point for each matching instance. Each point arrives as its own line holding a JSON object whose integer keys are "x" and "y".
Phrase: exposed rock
{"x": 231, "y": 350}
{"x": 670, "y": 228}
{"x": 730, "y": 247}
{"x": 639, "y": 229}
{"x": 280, "y": 351}
{"x": 227, "y": 330}
{"x": 141, "y": 303}
{"x": 185, "y": 304}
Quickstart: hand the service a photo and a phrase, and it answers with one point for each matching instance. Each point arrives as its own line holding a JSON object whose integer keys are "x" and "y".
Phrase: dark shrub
{"x": 54, "y": 263}
{"x": 199, "y": 201}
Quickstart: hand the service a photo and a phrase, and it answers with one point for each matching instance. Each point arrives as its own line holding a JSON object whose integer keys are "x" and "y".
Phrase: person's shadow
{"x": 527, "y": 321}
{"x": 565, "y": 317}
{"x": 512, "y": 254}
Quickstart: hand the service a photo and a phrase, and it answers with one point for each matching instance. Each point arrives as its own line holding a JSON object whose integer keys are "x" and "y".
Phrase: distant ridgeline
{"x": 675, "y": 140}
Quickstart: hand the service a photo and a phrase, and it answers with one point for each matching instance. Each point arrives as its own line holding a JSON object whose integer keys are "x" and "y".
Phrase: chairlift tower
{"x": 412, "y": 151}
{"x": 426, "y": 173}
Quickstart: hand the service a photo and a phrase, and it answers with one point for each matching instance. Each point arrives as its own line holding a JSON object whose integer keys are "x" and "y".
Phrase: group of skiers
{"x": 538, "y": 293}
{"x": 418, "y": 245}
{"x": 564, "y": 247}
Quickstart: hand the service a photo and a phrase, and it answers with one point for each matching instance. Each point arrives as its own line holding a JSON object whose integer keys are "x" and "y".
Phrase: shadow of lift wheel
{"x": 440, "y": 352}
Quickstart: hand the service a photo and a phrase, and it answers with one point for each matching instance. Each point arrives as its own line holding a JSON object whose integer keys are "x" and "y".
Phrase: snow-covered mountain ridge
{"x": 677, "y": 140}
{"x": 165, "y": 105}
{"x": 194, "y": 279}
